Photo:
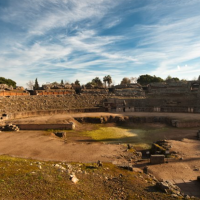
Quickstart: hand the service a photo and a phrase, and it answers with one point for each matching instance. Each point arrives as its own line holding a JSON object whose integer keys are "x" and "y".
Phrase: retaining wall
{"x": 5, "y": 93}
{"x": 180, "y": 124}
{"x": 20, "y": 115}
{"x": 45, "y": 126}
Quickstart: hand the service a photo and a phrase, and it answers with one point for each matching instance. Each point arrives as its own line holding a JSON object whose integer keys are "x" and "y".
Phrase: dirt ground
{"x": 184, "y": 170}
{"x": 187, "y": 166}
{"x": 45, "y": 146}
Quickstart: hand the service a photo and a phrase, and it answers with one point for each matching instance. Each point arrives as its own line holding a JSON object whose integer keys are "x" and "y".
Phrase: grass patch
{"x": 108, "y": 133}
{"x": 23, "y": 179}
{"x": 139, "y": 137}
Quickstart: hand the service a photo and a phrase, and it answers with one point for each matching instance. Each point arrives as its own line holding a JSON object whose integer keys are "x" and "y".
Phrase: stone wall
{"x": 13, "y": 93}
{"x": 19, "y": 115}
{"x": 94, "y": 91}
{"x": 129, "y": 92}
{"x": 187, "y": 105}
{"x": 45, "y": 126}
{"x": 55, "y": 92}
{"x": 180, "y": 87}
{"x": 49, "y": 102}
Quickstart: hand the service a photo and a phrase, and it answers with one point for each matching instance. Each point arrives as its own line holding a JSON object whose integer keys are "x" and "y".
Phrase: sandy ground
{"x": 186, "y": 166}
{"x": 44, "y": 146}
{"x": 183, "y": 171}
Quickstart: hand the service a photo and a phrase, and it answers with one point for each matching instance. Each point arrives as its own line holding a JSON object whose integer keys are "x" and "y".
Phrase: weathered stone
{"x": 73, "y": 178}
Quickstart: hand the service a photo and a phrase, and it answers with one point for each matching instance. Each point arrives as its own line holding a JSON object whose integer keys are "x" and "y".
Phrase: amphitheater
{"x": 172, "y": 107}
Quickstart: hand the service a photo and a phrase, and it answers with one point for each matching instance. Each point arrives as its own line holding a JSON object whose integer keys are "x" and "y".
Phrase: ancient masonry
{"x": 175, "y": 97}
{"x": 49, "y": 102}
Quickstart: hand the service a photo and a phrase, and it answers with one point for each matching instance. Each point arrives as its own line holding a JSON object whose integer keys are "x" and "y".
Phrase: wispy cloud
{"x": 84, "y": 39}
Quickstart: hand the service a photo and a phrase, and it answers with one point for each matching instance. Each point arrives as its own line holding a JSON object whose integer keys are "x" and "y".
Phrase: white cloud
{"x": 50, "y": 36}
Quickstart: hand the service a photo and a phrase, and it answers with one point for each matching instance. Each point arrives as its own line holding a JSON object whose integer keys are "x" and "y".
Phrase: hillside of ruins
{"x": 137, "y": 128}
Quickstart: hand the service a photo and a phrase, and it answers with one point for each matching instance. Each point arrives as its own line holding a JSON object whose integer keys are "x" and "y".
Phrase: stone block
{"x": 157, "y": 159}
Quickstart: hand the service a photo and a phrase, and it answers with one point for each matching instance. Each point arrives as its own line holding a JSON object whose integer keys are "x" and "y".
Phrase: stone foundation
{"x": 45, "y": 126}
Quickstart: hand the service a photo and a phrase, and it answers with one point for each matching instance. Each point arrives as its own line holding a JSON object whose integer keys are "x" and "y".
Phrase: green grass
{"x": 140, "y": 137}
{"x": 22, "y": 179}
{"x": 107, "y": 133}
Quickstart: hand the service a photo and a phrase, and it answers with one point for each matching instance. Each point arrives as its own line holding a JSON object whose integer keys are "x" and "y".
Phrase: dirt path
{"x": 39, "y": 145}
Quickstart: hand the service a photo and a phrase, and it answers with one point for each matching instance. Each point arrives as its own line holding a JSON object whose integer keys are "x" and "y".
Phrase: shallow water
{"x": 141, "y": 137}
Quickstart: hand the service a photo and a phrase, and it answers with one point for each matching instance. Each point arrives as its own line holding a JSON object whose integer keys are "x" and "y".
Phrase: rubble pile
{"x": 161, "y": 146}
{"x": 168, "y": 187}
{"x": 9, "y": 127}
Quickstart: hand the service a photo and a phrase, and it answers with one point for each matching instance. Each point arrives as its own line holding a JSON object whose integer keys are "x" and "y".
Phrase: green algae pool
{"x": 139, "y": 137}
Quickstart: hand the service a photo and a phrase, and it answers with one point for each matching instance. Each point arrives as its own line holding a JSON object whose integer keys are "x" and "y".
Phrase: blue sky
{"x": 83, "y": 39}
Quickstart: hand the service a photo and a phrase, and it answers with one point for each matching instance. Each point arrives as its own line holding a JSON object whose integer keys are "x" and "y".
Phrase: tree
{"x": 97, "y": 82}
{"x": 125, "y": 81}
{"x": 77, "y": 83}
{"x": 184, "y": 80}
{"x": 169, "y": 78}
{"x": 147, "y": 79}
{"x": 36, "y": 86}
{"x": 89, "y": 85}
{"x": 54, "y": 83}
{"x": 109, "y": 80}
{"x": 105, "y": 80}
{"x": 8, "y": 82}
{"x": 30, "y": 85}
{"x": 62, "y": 82}
{"x": 133, "y": 79}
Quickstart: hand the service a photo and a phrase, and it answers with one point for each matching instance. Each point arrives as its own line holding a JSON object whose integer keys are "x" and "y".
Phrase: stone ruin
{"x": 56, "y": 86}
{"x": 4, "y": 87}
{"x": 160, "y": 147}
{"x": 157, "y": 159}
{"x": 9, "y": 127}
{"x": 174, "y": 87}
{"x": 129, "y": 90}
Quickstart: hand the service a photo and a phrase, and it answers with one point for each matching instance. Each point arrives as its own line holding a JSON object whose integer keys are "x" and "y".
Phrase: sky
{"x": 53, "y": 40}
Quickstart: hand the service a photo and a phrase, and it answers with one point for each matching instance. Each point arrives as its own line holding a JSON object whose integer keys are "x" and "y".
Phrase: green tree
{"x": 147, "y": 79}
{"x": 54, "y": 83}
{"x": 169, "y": 78}
{"x": 36, "y": 86}
{"x": 105, "y": 80}
{"x": 77, "y": 83}
{"x": 8, "y": 82}
{"x": 97, "y": 82}
{"x": 109, "y": 80}
{"x": 62, "y": 82}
